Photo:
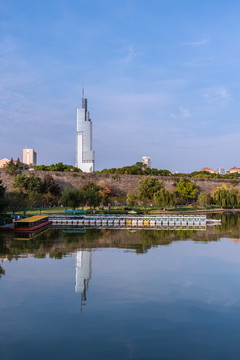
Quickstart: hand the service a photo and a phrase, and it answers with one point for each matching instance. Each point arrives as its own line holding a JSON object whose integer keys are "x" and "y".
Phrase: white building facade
{"x": 146, "y": 161}
{"x": 85, "y": 157}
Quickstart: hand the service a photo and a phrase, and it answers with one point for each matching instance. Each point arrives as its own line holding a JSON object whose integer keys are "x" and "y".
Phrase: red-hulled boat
{"x": 31, "y": 224}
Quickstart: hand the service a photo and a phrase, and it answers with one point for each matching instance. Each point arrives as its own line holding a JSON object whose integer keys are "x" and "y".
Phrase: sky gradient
{"x": 161, "y": 78}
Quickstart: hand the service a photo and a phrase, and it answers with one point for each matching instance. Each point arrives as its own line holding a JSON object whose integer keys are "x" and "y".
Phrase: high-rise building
{"x": 84, "y": 154}
{"x": 29, "y": 157}
{"x": 146, "y": 161}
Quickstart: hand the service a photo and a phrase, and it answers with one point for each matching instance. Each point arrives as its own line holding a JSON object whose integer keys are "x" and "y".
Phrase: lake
{"x": 120, "y": 294}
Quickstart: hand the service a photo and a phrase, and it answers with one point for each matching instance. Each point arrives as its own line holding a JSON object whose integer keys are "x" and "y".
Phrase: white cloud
{"x": 183, "y": 113}
{"x": 130, "y": 54}
{"x": 217, "y": 96}
{"x": 197, "y": 43}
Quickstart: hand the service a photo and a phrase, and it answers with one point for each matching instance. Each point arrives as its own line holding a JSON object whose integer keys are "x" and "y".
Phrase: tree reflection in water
{"x": 2, "y": 271}
{"x": 57, "y": 243}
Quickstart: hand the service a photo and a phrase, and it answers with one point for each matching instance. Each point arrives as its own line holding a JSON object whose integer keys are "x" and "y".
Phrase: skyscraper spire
{"x": 83, "y": 92}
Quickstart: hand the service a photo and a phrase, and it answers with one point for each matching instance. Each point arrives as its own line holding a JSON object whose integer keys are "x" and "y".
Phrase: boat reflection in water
{"x": 30, "y": 234}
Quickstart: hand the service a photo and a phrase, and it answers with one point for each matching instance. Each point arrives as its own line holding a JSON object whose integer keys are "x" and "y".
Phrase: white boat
{"x": 116, "y": 222}
{"x": 152, "y": 222}
{"x": 134, "y": 222}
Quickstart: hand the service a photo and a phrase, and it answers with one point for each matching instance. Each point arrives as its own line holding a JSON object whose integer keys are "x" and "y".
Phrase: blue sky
{"x": 161, "y": 77}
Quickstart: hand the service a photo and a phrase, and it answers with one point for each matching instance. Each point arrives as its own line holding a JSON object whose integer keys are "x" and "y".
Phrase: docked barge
{"x": 31, "y": 224}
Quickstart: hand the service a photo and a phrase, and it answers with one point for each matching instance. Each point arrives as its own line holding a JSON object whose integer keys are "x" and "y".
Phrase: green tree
{"x": 11, "y": 168}
{"x": 186, "y": 189}
{"x": 17, "y": 200}
{"x": 225, "y": 197}
{"x": 50, "y": 186}
{"x": 38, "y": 193}
{"x": 28, "y": 184}
{"x": 148, "y": 186}
{"x": 163, "y": 198}
{"x": 203, "y": 199}
{"x": 132, "y": 199}
{"x": 90, "y": 186}
{"x": 3, "y": 200}
{"x": 93, "y": 198}
{"x": 72, "y": 198}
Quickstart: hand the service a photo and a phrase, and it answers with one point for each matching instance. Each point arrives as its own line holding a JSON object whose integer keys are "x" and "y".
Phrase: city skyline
{"x": 160, "y": 82}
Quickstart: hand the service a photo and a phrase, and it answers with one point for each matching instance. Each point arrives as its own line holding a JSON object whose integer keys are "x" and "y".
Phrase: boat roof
{"x": 32, "y": 219}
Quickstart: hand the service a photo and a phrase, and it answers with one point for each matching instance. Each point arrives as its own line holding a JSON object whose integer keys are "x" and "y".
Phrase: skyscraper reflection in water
{"x": 83, "y": 273}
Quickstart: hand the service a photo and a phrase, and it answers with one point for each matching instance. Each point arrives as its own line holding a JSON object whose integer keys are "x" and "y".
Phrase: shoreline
{"x": 194, "y": 211}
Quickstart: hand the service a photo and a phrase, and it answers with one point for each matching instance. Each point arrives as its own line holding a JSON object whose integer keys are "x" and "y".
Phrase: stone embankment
{"x": 121, "y": 184}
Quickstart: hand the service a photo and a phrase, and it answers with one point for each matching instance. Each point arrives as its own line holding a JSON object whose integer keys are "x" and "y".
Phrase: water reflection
{"x": 2, "y": 271}
{"x": 174, "y": 302}
{"x": 60, "y": 242}
{"x": 83, "y": 273}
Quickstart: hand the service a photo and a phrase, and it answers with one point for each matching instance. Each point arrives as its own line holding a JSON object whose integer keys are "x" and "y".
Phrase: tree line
{"x": 32, "y": 191}
{"x": 139, "y": 168}
{"x": 152, "y": 191}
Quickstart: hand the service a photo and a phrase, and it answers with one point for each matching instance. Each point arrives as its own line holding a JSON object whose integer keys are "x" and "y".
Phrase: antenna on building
{"x": 83, "y": 92}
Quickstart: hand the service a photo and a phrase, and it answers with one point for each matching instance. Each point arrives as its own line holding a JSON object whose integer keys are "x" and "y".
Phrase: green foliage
{"x": 90, "y": 186}
{"x": 132, "y": 199}
{"x": 50, "y": 186}
{"x": 186, "y": 189}
{"x": 92, "y": 194}
{"x": 2, "y": 271}
{"x": 3, "y": 200}
{"x": 17, "y": 200}
{"x": 28, "y": 184}
{"x": 73, "y": 198}
{"x": 32, "y": 191}
{"x": 225, "y": 197}
{"x": 13, "y": 168}
{"x": 148, "y": 186}
{"x": 89, "y": 194}
{"x": 93, "y": 198}
{"x": 203, "y": 199}
{"x": 207, "y": 174}
{"x": 57, "y": 167}
{"x": 163, "y": 198}
{"x": 137, "y": 169}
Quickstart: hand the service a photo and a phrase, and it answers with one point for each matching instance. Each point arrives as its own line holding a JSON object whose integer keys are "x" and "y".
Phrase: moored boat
{"x": 31, "y": 223}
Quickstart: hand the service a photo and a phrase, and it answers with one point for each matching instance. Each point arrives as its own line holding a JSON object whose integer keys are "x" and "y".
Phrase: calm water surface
{"x": 115, "y": 294}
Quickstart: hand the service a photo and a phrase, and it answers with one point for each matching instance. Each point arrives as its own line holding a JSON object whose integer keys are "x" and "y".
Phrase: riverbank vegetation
{"x": 32, "y": 192}
{"x": 141, "y": 169}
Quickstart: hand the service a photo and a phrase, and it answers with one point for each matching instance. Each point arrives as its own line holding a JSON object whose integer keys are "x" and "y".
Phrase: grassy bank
{"x": 126, "y": 210}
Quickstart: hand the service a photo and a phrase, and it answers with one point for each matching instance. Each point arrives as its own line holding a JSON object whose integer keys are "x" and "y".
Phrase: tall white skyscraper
{"x": 84, "y": 155}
